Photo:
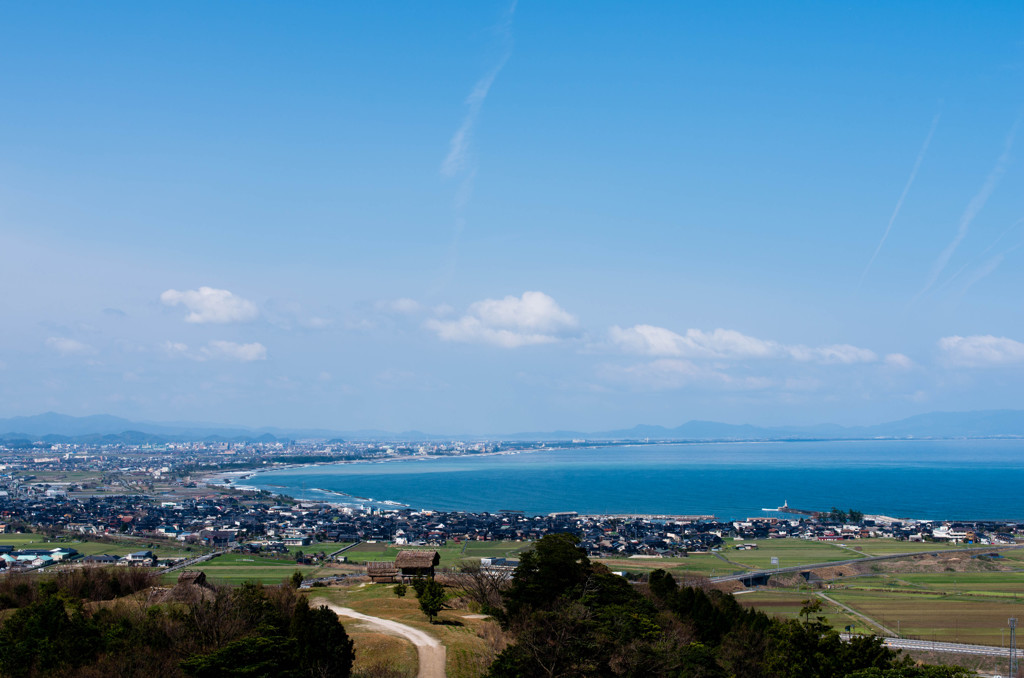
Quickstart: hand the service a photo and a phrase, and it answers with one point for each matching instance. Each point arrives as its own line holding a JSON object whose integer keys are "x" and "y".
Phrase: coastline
{"x": 890, "y": 478}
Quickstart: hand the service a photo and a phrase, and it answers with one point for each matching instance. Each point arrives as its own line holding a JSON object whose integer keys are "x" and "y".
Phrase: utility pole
{"x": 1013, "y": 646}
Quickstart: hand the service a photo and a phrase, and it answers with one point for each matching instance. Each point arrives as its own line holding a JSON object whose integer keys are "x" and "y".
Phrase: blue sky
{"x": 485, "y": 217}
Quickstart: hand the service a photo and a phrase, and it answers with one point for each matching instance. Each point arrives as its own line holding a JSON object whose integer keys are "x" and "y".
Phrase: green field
{"x": 235, "y": 568}
{"x": 952, "y": 618}
{"x": 884, "y": 547}
{"x": 787, "y": 605}
{"x": 790, "y": 552}
{"x": 30, "y": 541}
{"x": 451, "y": 554}
{"x": 696, "y": 564}
{"x": 985, "y": 584}
{"x": 115, "y": 547}
{"x": 327, "y": 547}
{"x": 955, "y": 619}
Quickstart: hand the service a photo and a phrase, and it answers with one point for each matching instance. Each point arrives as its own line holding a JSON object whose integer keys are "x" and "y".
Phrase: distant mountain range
{"x": 102, "y": 428}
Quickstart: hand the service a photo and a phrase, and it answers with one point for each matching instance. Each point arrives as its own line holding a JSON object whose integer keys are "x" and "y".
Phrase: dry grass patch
{"x": 379, "y": 655}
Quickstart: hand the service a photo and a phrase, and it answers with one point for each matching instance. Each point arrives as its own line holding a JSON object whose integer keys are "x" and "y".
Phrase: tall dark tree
{"x": 48, "y": 635}
{"x": 322, "y": 647}
{"x": 431, "y": 598}
{"x": 556, "y": 566}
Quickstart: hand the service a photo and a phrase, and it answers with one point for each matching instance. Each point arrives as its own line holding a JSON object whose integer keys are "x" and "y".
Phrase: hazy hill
{"x": 52, "y": 427}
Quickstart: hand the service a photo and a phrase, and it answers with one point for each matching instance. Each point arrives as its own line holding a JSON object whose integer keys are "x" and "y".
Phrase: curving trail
{"x": 431, "y": 652}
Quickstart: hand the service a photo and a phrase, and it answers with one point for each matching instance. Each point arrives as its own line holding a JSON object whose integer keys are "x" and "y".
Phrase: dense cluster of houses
{"x": 221, "y": 520}
{"x": 822, "y": 529}
{"x": 225, "y": 518}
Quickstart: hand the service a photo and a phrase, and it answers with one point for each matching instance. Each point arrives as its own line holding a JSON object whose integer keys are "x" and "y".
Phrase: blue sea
{"x": 925, "y": 479}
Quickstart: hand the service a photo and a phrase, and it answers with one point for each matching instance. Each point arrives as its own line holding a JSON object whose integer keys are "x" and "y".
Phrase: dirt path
{"x": 430, "y": 650}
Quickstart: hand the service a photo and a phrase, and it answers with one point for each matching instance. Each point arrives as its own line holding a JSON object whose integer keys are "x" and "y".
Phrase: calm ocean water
{"x": 963, "y": 479}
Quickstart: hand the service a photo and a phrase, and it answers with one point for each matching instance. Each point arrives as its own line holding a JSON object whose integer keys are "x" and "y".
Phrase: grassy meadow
{"x": 235, "y": 568}
{"x": 115, "y": 546}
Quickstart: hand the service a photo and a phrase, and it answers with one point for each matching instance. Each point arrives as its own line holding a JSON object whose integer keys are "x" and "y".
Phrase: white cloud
{"x": 534, "y": 318}
{"x": 289, "y": 315}
{"x": 981, "y": 350}
{"x": 842, "y": 354}
{"x": 229, "y": 350}
{"x": 209, "y": 305}
{"x": 217, "y": 350}
{"x": 174, "y": 348}
{"x": 899, "y": 360}
{"x": 66, "y": 347}
{"x": 443, "y": 309}
{"x": 403, "y": 306}
{"x": 726, "y": 344}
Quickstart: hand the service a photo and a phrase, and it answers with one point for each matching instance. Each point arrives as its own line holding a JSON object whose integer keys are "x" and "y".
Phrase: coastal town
{"x": 179, "y": 494}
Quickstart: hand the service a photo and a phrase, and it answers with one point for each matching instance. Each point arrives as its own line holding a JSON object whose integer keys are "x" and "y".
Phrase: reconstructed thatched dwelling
{"x": 192, "y": 578}
{"x": 417, "y": 563}
{"x": 191, "y": 587}
{"x": 382, "y": 573}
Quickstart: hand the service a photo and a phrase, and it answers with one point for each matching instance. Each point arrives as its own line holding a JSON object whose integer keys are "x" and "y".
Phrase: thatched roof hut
{"x": 191, "y": 587}
{"x": 417, "y": 563}
{"x": 192, "y": 577}
{"x": 382, "y": 573}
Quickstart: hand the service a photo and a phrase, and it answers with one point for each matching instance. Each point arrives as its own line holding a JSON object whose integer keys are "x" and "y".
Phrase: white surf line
{"x": 431, "y": 652}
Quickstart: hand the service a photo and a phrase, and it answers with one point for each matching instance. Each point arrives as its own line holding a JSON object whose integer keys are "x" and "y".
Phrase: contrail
{"x": 990, "y": 266}
{"x": 988, "y": 249}
{"x": 903, "y": 196}
{"x": 458, "y": 147}
{"x": 975, "y": 206}
{"x": 457, "y": 161}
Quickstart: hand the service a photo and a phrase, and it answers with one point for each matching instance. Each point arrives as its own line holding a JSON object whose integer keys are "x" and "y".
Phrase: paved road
{"x": 866, "y": 559}
{"x": 431, "y": 652}
{"x": 193, "y": 561}
{"x": 933, "y": 646}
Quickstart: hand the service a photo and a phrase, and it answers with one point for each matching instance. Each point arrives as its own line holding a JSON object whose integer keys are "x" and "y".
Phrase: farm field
{"x": 986, "y": 584}
{"x": 469, "y": 641}
{"x": 43, "y": 476}
{"x": 950, "y": 618}
{"x": 884, "y": 547}
{"x": 115, "y": 547}
{"x": 325, "y": 546}
{"x": 694, "y": 565}
{"x": 451, "y": 554}
{"x": 787, "y": 604}
{"x": 790, "y": 552}
{"x": 235, "y": 568}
